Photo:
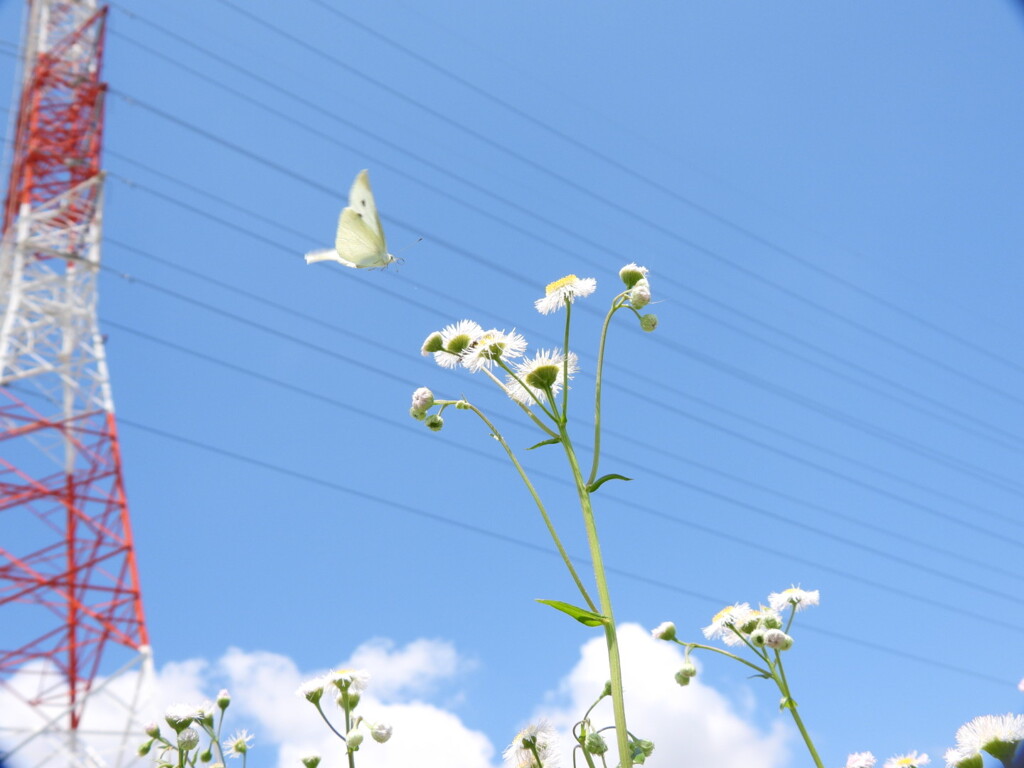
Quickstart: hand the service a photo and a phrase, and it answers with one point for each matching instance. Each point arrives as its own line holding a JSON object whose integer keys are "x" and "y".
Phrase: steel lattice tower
{"x": 74, "y": 653}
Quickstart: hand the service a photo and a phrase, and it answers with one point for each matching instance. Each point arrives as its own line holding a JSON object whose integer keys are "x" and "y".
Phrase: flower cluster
{"x": 346, "y": 687}
{"x": 190, "y": 724}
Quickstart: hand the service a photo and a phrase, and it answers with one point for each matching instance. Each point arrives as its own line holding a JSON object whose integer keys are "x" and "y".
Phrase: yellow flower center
{"x": 567, "y": 280}
{"x": 722, "y": 614}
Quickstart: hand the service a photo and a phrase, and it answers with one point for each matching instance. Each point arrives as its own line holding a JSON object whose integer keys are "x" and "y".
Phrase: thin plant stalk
{"x": 611, "y": 638}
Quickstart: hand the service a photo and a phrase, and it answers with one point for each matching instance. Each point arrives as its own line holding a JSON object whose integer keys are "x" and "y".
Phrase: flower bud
{"x": 417, "y": 414}
{"x": 152, "y": 729}
{"x": 434, "y": 422}
{"x": 205, "y": 756}
{"x": 607, "y": 690}
{"x": 631, "y": 274}
{"x": 144, "y": 748}
{"x": 422, "y": 399}
{"x": 757, "y": 637}
{"x": 595, "y": 744}
{"x": 353, "y": 738}
{"x": 311, "y": 761}
{"x": 777, "y": 639}
{"x": 223, "y": 698}
{"x": 381, "y": 732}
{"x": 433, "y": 343}
{"x": 188, "y": 739}
{"x": 687, "y": 671}
{"x": 649, "y": 322}
{"x": 664, "y": 631}
{"x": 640, "y": 294}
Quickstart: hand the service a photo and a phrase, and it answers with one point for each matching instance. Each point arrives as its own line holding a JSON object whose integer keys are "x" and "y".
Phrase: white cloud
{"x": 690, "y": 726}
{"x": 695, "y": 725}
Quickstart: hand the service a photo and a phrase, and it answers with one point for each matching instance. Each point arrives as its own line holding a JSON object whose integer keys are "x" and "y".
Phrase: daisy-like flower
{"x": 492, "y": 345}
{"x": 861, "y": 760}
{"x": 546, "y": 369}
{"x": 539, "y": 737}
{"x": 353, "y": 680}
{"x": 455, "y": 340}
{"x": 996, "y": 734}
{"x": 664, "y": 631}
{"x": 798, "y": 598}
{"x": 721, "y": 626}
{"x": 568, "y": 289}
{"x": 763, "y": 618}
{"x": 909, "y": 760}
{"x": 239, "y": 743}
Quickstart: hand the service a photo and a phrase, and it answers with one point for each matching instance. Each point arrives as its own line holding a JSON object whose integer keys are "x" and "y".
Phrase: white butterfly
{"x": 360, "y": 238}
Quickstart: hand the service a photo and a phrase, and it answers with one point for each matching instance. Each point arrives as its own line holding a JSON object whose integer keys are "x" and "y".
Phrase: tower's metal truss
{"x": 74, "y": 656}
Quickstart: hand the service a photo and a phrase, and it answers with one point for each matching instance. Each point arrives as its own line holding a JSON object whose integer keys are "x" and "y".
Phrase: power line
{"x": 674, "y": 194}
{"x": 949, "y": 518}
{"x": 860, "y": 425}
{"x": 905, "y": 348}
{"x": 714, "y": 494}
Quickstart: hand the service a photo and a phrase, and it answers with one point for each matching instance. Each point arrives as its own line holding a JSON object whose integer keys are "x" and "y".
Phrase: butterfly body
{"x": 359, "y": 242}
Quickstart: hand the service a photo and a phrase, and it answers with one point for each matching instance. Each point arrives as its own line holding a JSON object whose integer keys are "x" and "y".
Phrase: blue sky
{"x": 829, "y": 201}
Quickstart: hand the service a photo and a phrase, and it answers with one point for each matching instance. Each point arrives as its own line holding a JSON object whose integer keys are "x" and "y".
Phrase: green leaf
{"x": 552, "y": 441}
{"x": 582, "y": 615}
{"x": 602, "y": 480}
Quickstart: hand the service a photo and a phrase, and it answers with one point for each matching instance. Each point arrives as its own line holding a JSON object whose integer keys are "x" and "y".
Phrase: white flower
{"x": 909, "y": 760}
{"x": 540, "y": 737}
{"x": 544, "y": 369}
{"x": 455, "y": 340}
{"x": 860, "y": 760}
{"x": 352, "y": 680}
{"x": 664, "y": 631}
{"x": 180, "y": 716}
{"x": 313, "y": 689}
{"x": 381, "y": 732}
{"x": 798, "y": 598}
{"x": 723, "y": 622}
{"x": 491, "y": 345}
{"x": 239, "y": 743}
{"x": 959, "y": 756}
{"x": 989, "y": 732}
{"x": 568, "y": 289}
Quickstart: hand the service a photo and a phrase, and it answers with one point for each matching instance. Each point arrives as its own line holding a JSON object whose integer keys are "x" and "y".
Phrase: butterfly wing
{"x": 357, "y": 244}
{"x": 360, "y": 199}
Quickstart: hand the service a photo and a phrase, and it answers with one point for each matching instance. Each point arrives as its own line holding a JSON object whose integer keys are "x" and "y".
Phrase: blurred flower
{"x": 996, "y": 734}
{"x": 422, "y": 399}
{"x": 798, "y": 598}
{"x": 381, "y": 732}
{"x": 722, "y": 624}
{"x": 860, "y": 760}
{"x": 909, "y": 760}
{"x": 188, "y": 739}
{"x": 540, "y": 737}
{"x": 664, "y": 631}
{"x": 312, "y": 690}
{"x": 354, "y": 680}
{"x": 568, "y": 289}
{"x": 631, "y": 274}
{"x": 239, "y": 743}
{"x": 777, "y": 639}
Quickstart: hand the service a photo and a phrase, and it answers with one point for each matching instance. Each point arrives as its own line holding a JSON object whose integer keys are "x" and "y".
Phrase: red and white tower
{"x": 74, "y": 653}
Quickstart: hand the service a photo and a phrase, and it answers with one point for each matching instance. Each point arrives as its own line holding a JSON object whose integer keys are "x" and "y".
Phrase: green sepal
{"x": 552, "y": 441}
{"x": 787, "y": 703}
{"x": 602, "y": 480}
{"x": 582, "y": 615}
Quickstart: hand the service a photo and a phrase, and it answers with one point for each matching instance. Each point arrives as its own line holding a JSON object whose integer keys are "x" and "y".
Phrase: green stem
{"x": 597, "y": 392}
{"x": 540, "y": 505}
{"x": 733, "y": 656}
{"x": 780, "y": 680}
{"x": 523, "y": 407}
{"x": 348, "y": 729}
{"x": 565, "y": 364}
{"x": 611, "y": 639}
